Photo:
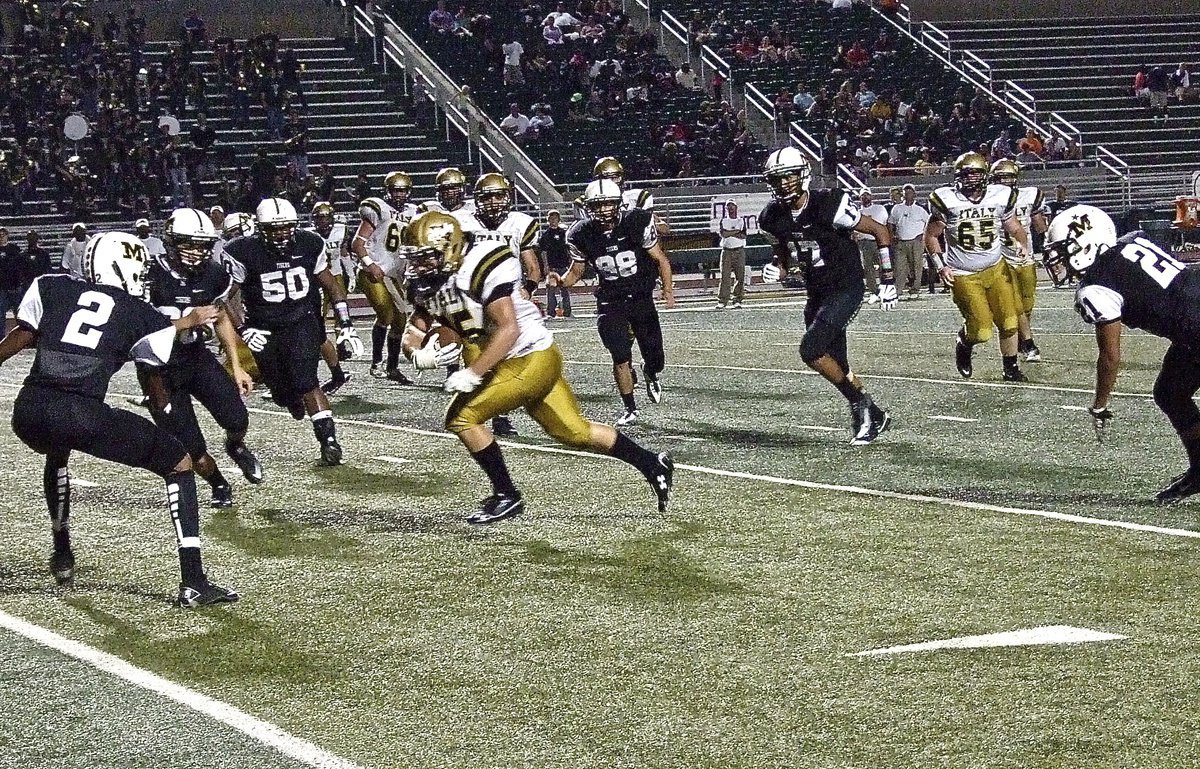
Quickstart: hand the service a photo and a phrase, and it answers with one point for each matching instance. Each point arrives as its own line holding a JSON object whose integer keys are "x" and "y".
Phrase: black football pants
{"x": 827, "y": 315}
{"x": 1177, "y": 383}
{"x": 200, "y": 376}
{"x": 615, "y": 319}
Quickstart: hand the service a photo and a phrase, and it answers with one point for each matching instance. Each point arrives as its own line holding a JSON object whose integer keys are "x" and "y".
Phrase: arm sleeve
{"x": 154, "y": 348}
{"x": 1098, "y": 304}
{"x": 846, "y": 212}
{"x": 29, "y": 314}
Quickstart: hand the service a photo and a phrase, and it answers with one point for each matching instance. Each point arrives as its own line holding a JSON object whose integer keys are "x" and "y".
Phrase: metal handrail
{"x": 1102, "y": 152}
{"x": 688, "y": 181}
{"x": 1064, "y": 127}
{"x": 978, "y": 66}
{"x": 1021, "y": 98}
{"x": 715, "y": 62}
{"x": 848, "y": 178}
{"x": 804, "y": 141}
{"x": 678, "y": 30}
{"x": 936, "y": 36}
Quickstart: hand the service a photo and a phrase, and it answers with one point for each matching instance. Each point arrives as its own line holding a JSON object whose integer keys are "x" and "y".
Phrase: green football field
{"x": 594, "y": 631}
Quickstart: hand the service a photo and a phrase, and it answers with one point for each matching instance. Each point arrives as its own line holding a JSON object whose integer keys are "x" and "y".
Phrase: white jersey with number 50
{"x": 973, "y": 228}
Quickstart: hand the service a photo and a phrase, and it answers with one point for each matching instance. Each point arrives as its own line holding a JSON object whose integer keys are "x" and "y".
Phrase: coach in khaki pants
{"x": 733, "y": 257}
{"x": 908, "y": 220}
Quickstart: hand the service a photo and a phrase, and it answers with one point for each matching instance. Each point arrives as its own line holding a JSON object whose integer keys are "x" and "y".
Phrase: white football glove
{"x": 349, "y": 337}
{"x": 433, "y": 355}
{"x": 462, "y": 381}
{"x": 888, "y": 296}
{"x": 771, "y": 274}
{"x": 256, "y": 339}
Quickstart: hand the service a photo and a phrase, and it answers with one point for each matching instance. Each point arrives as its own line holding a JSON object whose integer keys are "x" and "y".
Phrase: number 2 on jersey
{"x": 1160, "y": 266}
{"x": 85, "y": 327}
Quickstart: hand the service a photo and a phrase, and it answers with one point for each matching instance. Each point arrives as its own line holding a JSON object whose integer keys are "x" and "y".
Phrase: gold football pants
{"x": 246, "y": 358}
{"x": 986, "y": 298}
{"x": 534, "y": 382}
{"x": 387, "y": 300}
{"x": 1024, "y": 280}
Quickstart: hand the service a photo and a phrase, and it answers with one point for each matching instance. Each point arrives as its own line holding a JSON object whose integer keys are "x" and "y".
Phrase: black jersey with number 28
{"x": 280, "y": 288}
{"x": 622, "y": 257}
{"x": 86, "y": 332}
{"x": 1139, "y": 284}
{"x": 174, "y": 294}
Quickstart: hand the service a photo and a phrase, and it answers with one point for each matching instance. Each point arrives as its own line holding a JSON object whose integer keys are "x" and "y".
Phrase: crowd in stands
{"x": 544, "y": 72}
{"x": 1154, "y": 86}
{"x": 149, "y": 145}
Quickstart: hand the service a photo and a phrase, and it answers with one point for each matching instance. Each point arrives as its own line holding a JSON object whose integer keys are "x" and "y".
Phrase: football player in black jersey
{"x": 182, "y": 279}
{"x": 833, "y": 273}
{"x": 283, "y": 327}
{"x": 84, "y": 331}
{"x": 1130, "y": 281}
{"x": 623, "y": 248}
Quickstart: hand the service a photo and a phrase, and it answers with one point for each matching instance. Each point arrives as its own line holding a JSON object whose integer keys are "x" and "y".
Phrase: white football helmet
{"x": 1077, "y": 236}
{"x": 189, "y": 237}
{"x": 789, "y": 173}
{"x": 602, "y": 198}
{"x": 238, "y": 225}
{"x": 116, "y": 259}
{"x": 277, "y": 220}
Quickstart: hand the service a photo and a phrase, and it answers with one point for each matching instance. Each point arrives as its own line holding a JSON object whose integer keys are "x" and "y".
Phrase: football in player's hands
{"x": 441, "y": 347}
{"x": 771, "y": 273}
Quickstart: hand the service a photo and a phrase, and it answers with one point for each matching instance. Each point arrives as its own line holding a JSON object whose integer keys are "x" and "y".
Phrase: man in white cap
{"x": 217, "y": 214}
{"x": 733, "y": 257}
{"x": 154, "y": 245}
{"x": 72, "y": 258}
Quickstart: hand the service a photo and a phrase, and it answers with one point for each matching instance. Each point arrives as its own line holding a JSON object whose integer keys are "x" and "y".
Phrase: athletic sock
{"x": 394, "y": 345}
{"x": 849, "y": 391}
{"x": 185, "y": 513}
{"x": 1010, "y": 363}
{"x": 378, "y": 338}
{"x": 323, "y": 426}
{"x": 492, "y": 461}
{"x": 630, "y": 401}
{"x": 1192, "y": 445}
{"x": 629, "y": 452}
{"x": 56, "y": 483}
{"x": 216, "y": 479}
{"x": 337, "y": 373}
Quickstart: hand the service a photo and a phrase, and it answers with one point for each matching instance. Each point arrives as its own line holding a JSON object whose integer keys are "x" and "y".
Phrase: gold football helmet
{"x": 493, "y": 199}
{"x": 971, "y": 174}
{"x": 435, "y": 245}
{"x": 398, "y": 187}
{"x": 609, "y": 168}
{"x": 322, "y": 218}
{"x": 450, "y": 185}
{"x": 1005, "y": 171}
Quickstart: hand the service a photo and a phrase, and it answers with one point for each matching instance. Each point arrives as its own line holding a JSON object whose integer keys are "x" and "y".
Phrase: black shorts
{"x": 288, "y": 363}
{"x": 200, "y": 375}
{"x": 826, "y": 317}
{"x": 616, "y": 319}
{"x": 57, "y": 423}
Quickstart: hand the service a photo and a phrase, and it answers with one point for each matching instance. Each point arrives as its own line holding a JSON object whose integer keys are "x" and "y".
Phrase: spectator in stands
{"x": 1027, "y": 158}
{"x": 858, "y": 56}
{"x": 1159, "y": 87}
{"x": 516, "y": 124}
{"x": 685, "y": 78}
{"x": 552, "y": 244}
{"x": 442, "y": 21}
{"x": 512, "y": 63}
{"x": 1056, "y": 148}
{"x": 326, "y": 183}
{"x": 262, "y": 174}
{"x": 592, "y": 31}
{"x": 803, "y": 100}
{"x": 36, "y": 260}
{"x": 1181, "y": 83}
{"x": 1074, "y": 152}
{"x": 552, "y": 34}
{"x": 865, "y": 96}
{"x": 925, "y": 165}
{"x": 72, "y": 257}
{"x": 362, "y": 189}
{"x": 11, "y": 269}
{"x": 153, "y": 243}
{"x": 295, "y": 145}
{"x": 1141, "y": 85}
{"x": 541, "y": 125}
{"x": 194, "y": 32}
{"x": 841, "y": 6}
{"x": 563, "y": 20}
{"x": 1031, "y": 143}
{"x": 1001, "y": 146}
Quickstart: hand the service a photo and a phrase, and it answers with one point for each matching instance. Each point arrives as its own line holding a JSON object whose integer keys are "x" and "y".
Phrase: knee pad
{"x": 816, "y": 342}
{"x": 1176, "y": 404}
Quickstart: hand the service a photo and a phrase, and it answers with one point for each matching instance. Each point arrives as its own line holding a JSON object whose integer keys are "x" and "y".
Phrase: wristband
{"x": 885, "y": 257}
{"x": 531, "y": 286}
{"x": 366, "y": 261}
{"x": 342, "y": 311}
{"x": 939, "y": 264}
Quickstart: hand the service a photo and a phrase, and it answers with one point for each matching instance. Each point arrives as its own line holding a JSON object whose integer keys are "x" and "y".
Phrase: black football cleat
{"x": 1015, "y": 375}
{"x": 880, "y": 422}
{"x": 962, "y": 357}
{"x": 663, "y": 480}
{"x": 222, "y": 496}
{"x": 398, "y": 376}
{"x": 497, "y": 508}
{"x": 331, "y": 452}
{"x": 860, "y": 421}
{"x": 502, "y": 427}
{"x": 336, "y": 383}
{"x": 205, "y": 593}
{"x": 653, "y": 386}
{"x": 62, "y": 567}
{"x": 1180, "y": 487}
{"x": 246, "y": 462}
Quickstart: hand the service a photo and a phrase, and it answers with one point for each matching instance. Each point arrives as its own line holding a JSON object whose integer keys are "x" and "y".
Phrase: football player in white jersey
{"x": 510, "y": 359}
{"x": 501, "y": 224}
{"x": 632, "y": 198}
{"x": 376, "y": 247}
{"x": 973, "y": 215}
{"x": 1031, "y": 213}
{"x": 341, "y": 266}
{"x": 450, "y": 189}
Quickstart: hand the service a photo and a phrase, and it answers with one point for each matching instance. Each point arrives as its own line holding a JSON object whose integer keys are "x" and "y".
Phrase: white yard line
{"x": 81, "y": 483}
{"x": 256, "y": 729}
{"x": 869, "y": 377}
{"x": 945, "y": 418}
{"x": 392, "y": 460}
{"x": 813, "y": 485}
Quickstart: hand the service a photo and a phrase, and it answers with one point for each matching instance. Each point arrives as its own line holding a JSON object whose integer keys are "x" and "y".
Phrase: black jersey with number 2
{"x": 622, "y": 257}
{"x": 280, "y": 288}
{"x": 1139, "y": 284}
{"x": 827, "y": 220}
{"x": 86, "y": 332}
{"x": 174, "y": 294}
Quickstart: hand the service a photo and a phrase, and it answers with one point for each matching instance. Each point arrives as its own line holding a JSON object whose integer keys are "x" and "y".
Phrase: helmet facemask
{"x": 323, "y": 223}
{"x": 398, "y": 195}
{"x": 278, "y": 234}
{"x": 426, "y": 271}
{"x": 493, "y": 207}
{"x": 605, "y": 211}
{"x": 787, "y": 185}
{"x": 451, "y": 196}
{"x": 189, "y": 253}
